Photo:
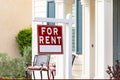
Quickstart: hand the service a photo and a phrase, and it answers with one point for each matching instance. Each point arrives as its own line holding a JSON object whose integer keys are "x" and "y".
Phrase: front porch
{"x": 97, "y": 39}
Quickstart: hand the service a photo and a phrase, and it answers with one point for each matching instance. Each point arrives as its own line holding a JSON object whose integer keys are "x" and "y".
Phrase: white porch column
{"x": 103, "y": 37}
{"x": 92, "y": 38}
{"x": 60, "y": 65}
{"x": 86, "y": 38}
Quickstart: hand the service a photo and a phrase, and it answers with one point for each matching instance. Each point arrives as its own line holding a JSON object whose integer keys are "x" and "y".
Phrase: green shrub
{"x": 24, "y": 39}
{"x": 27, "y": 55}
{"x": 11, "y": 67}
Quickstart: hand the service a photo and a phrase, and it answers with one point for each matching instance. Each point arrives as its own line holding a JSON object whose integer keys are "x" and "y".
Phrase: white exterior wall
{"x": 38, "y": 10}
{"x": 60, "y": 61}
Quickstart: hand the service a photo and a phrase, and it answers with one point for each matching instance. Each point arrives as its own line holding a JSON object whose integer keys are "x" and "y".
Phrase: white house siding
{"x": 39, "y": 8}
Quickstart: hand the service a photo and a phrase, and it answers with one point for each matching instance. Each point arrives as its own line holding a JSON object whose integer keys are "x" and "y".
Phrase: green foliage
{"x": 15, "y": 67}
{"x": 27, "y": 55}
{"x": 24, "y": 39}
{"x": 11, "y": 67}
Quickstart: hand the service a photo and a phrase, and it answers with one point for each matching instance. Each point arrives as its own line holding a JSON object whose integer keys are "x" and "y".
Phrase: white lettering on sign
{"x": 49, "y": 31}
{"x": 41, "y": 38}
{"x": 55, "y": 31}
{"x": 49, "y": 39}
{"x": 43, "y": 30}
{"x": 53, "y": 40}
{"x": 58, "y": 39}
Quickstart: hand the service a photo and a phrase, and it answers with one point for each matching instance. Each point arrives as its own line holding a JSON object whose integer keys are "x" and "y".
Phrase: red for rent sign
{"x": 50, "y": 39}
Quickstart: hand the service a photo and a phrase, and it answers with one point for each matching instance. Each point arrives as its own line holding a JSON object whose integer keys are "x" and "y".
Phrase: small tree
{"x": 24, "y": 39}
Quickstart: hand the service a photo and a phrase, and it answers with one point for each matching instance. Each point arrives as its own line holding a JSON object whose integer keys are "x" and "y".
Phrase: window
{"x": 77, "y": 29}
{"x": 50, "y": 10}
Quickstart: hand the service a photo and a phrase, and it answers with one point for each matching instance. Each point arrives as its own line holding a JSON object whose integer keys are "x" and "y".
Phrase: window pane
{"x": 79, "y": 26}
{"x": 50, "y": 10}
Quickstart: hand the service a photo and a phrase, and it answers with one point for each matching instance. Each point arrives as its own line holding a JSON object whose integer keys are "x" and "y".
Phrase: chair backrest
{"x": 40, "y": 60}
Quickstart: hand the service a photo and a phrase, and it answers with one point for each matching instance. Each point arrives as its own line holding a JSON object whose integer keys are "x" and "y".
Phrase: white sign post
{"x": 68, "y": 54}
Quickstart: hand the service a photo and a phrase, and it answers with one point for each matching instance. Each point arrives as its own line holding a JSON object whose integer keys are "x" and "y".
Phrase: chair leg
{"x": 34, "y": 75}
{"x": 26, "y": 73}
{"x": 41, "y": 74}
{"x": 48, "y": 74}
{"x": 52, "y": 72}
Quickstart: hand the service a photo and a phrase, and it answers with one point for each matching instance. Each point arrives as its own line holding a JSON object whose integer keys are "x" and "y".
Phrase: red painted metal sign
{"x": 50, "y": 39}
